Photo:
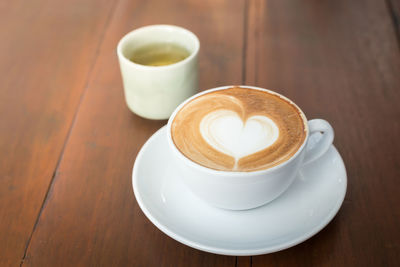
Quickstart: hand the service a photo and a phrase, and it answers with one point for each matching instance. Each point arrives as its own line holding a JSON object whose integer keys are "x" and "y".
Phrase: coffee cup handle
{"x": 319, "y": 141}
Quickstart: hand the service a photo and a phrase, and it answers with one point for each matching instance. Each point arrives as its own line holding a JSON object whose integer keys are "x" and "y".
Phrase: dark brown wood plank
{"x": 47, "y": 49}
{"x": 339, "y": 60}
{"x": 91, "y": 217}
{"x": 394, "y": 11}
{"x": 243, "y": 261}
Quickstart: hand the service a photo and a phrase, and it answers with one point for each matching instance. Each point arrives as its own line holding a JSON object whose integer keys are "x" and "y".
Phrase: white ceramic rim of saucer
{"x": 222, "y": 251}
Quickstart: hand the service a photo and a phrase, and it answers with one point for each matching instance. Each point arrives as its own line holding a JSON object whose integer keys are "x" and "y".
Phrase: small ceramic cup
{"x": 246, "y": 190}
{"x": 153, "y": 92}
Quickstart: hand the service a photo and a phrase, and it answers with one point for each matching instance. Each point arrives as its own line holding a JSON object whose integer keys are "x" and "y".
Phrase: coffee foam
{"x": 225, "y": 131}
{"x": 238, "y": 129}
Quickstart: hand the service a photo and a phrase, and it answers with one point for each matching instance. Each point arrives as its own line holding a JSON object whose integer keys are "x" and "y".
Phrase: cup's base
{"x": 149, "y": 116}
{"x": 241, "y": 203}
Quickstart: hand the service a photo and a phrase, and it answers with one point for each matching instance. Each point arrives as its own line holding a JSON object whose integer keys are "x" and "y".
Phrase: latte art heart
{"x": 238, "y": 129}
{"x": 226, "y": 132}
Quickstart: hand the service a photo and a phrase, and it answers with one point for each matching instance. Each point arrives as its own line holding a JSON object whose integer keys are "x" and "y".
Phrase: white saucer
{"x": 304, "y": 209}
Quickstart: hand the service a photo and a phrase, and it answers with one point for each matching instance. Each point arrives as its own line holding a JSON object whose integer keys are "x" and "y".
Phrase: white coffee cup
{"x": 246, "y": 190}
{"x": 153, "y": 92}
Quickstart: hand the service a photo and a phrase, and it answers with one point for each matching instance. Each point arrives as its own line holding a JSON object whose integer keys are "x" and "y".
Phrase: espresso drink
{"x": 159, "y": 54}
{"x": 238, "y": 129}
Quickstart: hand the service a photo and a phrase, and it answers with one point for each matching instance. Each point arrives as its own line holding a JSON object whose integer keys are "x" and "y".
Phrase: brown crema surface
{"x": 186, "y": 135}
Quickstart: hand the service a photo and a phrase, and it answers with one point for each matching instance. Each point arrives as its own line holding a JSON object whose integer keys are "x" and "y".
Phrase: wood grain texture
{"x": 47, "y": 49}
{"x": 243, "y": 261}
{"x": 90, "y": 217}
{"x": 394, "y": 12}
{"x": 339, "y": 60}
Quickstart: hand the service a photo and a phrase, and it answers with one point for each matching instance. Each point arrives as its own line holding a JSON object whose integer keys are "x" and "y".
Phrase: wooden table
{"x": 68, "y": 141}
